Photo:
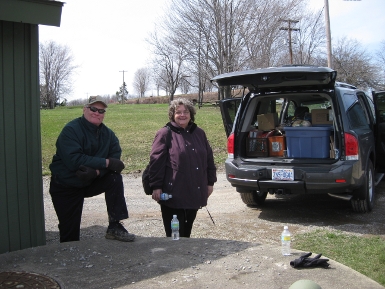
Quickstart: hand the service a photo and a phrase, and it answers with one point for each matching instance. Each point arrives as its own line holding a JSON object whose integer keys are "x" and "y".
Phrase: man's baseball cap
{"x": 97, "y": 98}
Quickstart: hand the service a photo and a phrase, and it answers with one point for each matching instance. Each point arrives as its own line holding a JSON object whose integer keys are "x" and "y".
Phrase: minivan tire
{"x": 253, "y": 198}
{"x": 363, "y": 198}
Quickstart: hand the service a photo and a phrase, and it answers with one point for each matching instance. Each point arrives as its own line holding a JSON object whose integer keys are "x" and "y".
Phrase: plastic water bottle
{"x": 165, "y": 196}
{"x": 175, "y": 228}
{"x": 285, "y": 239}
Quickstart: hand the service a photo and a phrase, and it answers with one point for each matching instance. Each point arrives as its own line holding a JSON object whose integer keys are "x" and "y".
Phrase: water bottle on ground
{"x": 175, "y": 228}
{"x": 285, "y": 239}
{"x": 165, "y": 196}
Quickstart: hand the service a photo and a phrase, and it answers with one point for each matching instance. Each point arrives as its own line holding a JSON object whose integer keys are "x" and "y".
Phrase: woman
{"x": 181, "y": 164}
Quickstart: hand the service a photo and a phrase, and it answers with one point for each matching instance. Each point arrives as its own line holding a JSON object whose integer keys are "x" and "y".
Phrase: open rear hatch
{"x": 280, "y": 78}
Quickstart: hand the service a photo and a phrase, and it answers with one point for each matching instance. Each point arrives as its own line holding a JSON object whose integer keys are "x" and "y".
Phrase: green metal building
{"x": 21, "y": 189}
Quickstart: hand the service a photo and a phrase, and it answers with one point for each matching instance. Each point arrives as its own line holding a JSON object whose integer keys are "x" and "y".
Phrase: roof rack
{"x": 346, "y": 85}
{"x": 300, "y": 65}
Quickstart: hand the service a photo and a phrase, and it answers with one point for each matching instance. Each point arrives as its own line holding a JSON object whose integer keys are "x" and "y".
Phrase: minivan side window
{"x": 369, "y": 108}
{"x": 372, "y": 108}
{"x": 232, "y": 108}
{"x": 380, "y": 103}
{"x": 357, "y": 116}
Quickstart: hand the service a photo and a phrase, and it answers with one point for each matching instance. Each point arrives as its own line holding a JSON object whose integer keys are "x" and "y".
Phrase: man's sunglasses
{"x": 94, "y": 109}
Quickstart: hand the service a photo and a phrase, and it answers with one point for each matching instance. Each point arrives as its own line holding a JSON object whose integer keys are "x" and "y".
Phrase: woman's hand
{"x": 209, "y": 190}
{"x": 156, "y": 194}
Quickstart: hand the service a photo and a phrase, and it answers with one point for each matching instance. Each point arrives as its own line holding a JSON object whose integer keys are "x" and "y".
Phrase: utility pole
{"x": 328, "y": 34}
{"x": 124, "y": 92}
{"x": 290, "y": 29}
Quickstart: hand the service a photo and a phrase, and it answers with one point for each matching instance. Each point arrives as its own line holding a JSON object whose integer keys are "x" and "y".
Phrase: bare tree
{"x": 310, "y": 38}
{"x": 197, "y": 62}
{"x": 381, "y": 54}
{"x": 220, "y": 36}
{"x": 168, "y": 63}
{"x": 157, "y": 82}
{"x": 159, "y": 78}
{"x": 185, "y": 86}
{"x": 141, "y": 81}
{"x": 76, "y": 102}
{"x": 354, "y": 64}
{"x": 56, "y": 69}
{"x": 265, "y": 45}
{"x": 381, "y": 63}
{"x": 206, "y": 29}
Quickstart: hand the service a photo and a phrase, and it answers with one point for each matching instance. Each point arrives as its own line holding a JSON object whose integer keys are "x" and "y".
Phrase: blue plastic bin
{"x": 308, "y": 142}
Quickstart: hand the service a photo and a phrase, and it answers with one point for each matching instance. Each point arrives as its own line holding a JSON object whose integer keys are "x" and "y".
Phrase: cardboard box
{"x": 321, "y": 116}
{"x": 332, "y": 151}
{"x": 267, "y": 121}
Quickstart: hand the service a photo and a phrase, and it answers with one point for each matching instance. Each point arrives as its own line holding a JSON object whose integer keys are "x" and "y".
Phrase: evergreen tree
{"x": 122, "y": 93}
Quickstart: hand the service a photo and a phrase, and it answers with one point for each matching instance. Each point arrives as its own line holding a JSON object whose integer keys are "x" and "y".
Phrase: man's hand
{"x": 115, "y": 165}
{"x": 86, "y": 173}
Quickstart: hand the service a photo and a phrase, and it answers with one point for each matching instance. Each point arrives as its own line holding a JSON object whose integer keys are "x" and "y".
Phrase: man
{"x": 87, "y": 163}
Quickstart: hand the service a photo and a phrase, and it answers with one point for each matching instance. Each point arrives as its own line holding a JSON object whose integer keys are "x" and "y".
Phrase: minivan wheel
{"x": 363, "y": 199}
{"x": 253, "y": 198}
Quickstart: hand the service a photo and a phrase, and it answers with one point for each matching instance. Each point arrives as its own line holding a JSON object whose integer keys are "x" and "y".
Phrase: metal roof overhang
{"x": 46, "y": 12}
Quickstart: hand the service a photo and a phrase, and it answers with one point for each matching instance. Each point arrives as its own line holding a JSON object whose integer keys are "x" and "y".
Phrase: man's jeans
{"x": 68, "y": 203}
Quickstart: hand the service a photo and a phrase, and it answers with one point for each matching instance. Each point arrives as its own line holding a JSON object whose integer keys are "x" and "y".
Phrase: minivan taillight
{"x": 351, "y": 147}
{"x": 230, "y": 146}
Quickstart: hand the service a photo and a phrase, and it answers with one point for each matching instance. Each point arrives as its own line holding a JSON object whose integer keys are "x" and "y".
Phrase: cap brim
{"x": 92, "y": 102}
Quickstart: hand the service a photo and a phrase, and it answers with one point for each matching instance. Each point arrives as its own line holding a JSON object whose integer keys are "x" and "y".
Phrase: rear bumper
{"x": 313, "y": 179}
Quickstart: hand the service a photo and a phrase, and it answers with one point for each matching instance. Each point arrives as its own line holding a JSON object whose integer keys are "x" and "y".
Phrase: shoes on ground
{"x": 116, "y": 231}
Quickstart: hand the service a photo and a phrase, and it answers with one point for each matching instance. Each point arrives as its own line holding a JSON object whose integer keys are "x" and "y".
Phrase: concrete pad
{"x": 188, "y": 263}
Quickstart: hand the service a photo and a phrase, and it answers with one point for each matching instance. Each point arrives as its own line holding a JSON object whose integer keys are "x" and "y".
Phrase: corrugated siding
{"x": 21, "y": 193}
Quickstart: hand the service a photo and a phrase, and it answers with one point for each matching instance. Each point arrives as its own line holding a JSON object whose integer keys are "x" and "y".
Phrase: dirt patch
{"x": 233, "y": 219}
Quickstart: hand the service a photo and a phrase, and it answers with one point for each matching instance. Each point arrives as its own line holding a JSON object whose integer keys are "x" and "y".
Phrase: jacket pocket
{"x": 174, "y": 166}
{"x": 172, "y": 175}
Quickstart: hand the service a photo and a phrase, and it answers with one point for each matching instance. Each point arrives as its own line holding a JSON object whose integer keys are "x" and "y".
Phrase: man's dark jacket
{"x": 83, "y": 143}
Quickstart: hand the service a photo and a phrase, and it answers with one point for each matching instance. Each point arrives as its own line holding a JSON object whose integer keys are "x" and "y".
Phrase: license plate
{"x": 282, "y": 174}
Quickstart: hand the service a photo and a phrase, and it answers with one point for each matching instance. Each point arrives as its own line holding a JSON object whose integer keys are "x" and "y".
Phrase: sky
{"x": 109, "y": 37}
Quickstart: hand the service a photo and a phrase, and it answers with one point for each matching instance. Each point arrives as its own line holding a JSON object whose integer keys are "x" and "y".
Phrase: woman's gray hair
{"x": 181, "y": 101}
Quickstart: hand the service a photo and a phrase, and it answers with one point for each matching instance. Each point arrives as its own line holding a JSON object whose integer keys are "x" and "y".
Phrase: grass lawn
{"x": 136, "y": 125}
{"x": 361, "y": 253}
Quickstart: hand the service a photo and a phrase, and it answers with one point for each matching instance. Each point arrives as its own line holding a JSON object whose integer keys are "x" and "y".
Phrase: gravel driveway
{"x": 233, "y": 219}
